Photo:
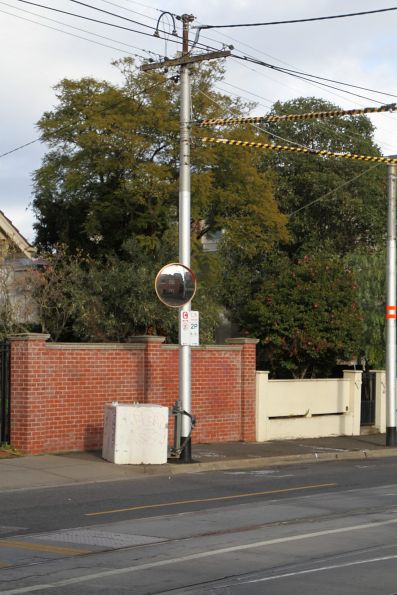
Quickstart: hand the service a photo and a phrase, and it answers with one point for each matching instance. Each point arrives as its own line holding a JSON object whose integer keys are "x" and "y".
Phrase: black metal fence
{"x": 4, "y": 392}
{"x": 368, "y": 397}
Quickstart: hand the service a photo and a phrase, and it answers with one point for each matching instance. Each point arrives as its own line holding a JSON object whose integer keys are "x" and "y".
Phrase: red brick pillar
{"x": 28, "y": 392}
{"x": 248, "y": 387}
{"x": 152, "y": 391}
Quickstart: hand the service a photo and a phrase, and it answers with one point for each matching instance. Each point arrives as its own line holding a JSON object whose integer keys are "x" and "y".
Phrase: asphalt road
{"x": 317, "y": 528}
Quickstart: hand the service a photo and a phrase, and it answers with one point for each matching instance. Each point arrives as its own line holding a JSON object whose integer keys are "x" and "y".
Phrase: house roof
{"x": 11, "y": 233}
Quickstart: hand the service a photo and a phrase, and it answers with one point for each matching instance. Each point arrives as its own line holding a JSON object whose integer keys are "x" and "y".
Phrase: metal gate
{"x": 4, "y": 392}
{"x": 368, "y": 396}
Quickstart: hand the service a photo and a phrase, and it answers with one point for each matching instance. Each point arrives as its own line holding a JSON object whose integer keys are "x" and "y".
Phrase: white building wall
{"x": 287, "y": 409}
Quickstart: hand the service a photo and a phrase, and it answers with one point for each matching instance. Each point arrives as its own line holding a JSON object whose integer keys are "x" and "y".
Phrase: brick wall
{"x": 58, "y": 391}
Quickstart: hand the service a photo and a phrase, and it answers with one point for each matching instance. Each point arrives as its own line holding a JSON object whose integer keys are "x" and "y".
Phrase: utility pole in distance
{"x": 185, "y": 366}
{"x": 391, "y": 310}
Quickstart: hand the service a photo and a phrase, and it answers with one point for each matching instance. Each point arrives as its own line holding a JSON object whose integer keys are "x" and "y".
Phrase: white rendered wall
{"x": 287, "y": 409}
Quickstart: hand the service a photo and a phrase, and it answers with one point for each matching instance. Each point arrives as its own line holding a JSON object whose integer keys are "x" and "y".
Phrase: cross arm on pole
{"x": 185, "y": 59}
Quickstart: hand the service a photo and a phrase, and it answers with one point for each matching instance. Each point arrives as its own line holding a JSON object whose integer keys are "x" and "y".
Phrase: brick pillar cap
{"x": 29, "y": 337}
{"x": 147, "y": 339}
{"x": 242, "y": 341}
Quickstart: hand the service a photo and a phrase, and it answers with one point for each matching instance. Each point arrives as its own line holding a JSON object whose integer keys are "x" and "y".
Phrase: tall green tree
{"x": 103, "y": 180}
{"x": 109, "y": 182}
{"x": 112, "y": 169}
{"x": 336, "y": 213}
{"x": 338, "y": 203}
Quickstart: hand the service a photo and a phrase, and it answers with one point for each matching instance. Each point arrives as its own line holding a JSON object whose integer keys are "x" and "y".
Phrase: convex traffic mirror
{"x": 175, "y": 285}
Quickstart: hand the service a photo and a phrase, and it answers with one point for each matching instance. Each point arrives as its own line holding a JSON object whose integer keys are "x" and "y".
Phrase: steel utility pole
{"x": 184, "y": 61}
{"x": 185, "y": 351}
{"x": 391, "y": 311}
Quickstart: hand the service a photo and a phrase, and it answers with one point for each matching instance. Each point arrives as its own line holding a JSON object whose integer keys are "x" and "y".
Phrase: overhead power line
{"x": 256, "y": 126}
{"x": 292, "y": 69}
{"x": 330, "y": 192}
{"x": 391, "y": 107}
{"x": 133, "y": 11}
{"x": 327, "y": 124}
{"x": 323, "y": 196}
{"x": 139, "y": 4}
{"x": 318, "y": 79}
{"x": 291, "y": 21}
{"x": 113, "y": 14}
{"x": 306, "y": 78}
{"x": 307, "y": 151}
{"x": 271, "y": 101}
{"x": 36, "y": 140}
{"x": 322, "y": 78}
{"x": 173, "y": 38}
{"x": 75, "y": 29}
{"x": 80, "y": 16}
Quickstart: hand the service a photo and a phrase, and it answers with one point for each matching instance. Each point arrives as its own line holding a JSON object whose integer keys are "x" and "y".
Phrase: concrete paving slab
{"x": 26, "y": 478}
{"x": 88, "y": 472}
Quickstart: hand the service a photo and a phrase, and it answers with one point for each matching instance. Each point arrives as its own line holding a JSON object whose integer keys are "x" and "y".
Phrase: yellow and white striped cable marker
{"x": 291, "y": 149}
{"x": 391, "y": 107}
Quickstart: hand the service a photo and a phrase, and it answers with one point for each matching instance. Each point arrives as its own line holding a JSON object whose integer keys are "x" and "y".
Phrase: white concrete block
{"x": 135, "y": 434}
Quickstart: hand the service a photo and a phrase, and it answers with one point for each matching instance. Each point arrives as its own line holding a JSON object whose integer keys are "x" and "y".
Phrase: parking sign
{"x": 189, "y": 322}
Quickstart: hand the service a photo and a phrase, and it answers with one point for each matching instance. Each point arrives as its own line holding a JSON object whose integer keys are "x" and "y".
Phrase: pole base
{"x": 391, "y": 436}
{"x": 186, "y": 454}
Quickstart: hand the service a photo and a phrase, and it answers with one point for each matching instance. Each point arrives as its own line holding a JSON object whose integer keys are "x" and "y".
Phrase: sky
{"x": 38, "y": 52}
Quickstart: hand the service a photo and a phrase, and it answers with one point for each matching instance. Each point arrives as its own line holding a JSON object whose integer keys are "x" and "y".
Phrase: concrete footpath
{"x": 27, "y": 472}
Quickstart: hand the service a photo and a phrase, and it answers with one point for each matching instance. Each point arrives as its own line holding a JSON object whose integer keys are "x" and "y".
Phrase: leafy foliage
{"x": 108, "y": 190}
{"x": 352, "y": 212}
{"x": 335, "y": 208}
{"x": 305, "y": 313}
{"x": 370, "y": 271}
{"x": 101, "y": 183}
{"x": 80, "y": 298}
{"x": 112, "y": 170}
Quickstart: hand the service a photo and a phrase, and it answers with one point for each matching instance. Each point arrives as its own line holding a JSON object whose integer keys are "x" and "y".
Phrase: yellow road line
{"x": 42, "y": 547}
{"x": 215, "y": 499}
{"x": 4, "y": 565}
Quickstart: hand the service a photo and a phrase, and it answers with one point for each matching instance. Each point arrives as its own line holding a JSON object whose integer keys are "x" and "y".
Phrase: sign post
{"x": 184, "y": 62}
{"x": 175, "y": 286}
